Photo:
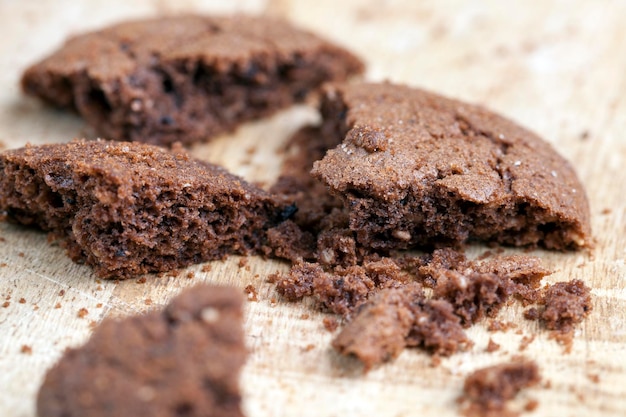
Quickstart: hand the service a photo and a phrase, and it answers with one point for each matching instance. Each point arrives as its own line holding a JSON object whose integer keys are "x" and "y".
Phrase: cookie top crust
{"x": 217, "y": 41}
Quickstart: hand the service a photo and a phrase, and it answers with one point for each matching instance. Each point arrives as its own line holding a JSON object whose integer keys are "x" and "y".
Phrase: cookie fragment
{"x": 131, "y": 208}
{"x": 487, "y": 390}
{"x": 182, "y": 361}
{"x": 186, "y": 78}
{"x": 418, "y": 169}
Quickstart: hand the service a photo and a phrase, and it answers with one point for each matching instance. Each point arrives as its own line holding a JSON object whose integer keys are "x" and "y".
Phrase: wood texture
{"x": 556, "y": 67}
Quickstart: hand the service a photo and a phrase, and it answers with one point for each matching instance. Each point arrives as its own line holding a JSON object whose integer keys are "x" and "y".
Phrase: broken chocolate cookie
{"x": 186, "y": 78}
{"x": 132, "y": 208}
{"x": 419, "y": 169}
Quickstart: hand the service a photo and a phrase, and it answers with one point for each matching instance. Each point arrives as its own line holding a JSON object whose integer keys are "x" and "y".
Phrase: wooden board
{"x": 556, "y": 67}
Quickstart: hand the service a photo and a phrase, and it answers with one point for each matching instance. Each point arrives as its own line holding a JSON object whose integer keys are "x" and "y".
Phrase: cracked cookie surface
{"x": 419, "y": 169}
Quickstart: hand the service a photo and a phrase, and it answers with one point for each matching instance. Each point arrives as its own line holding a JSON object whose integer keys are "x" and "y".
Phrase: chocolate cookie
{"x": 418, "y": 169}
{"x": 182, "y": 361}
{"x": 186, "y": 78}
{"x": 131, "y": 208}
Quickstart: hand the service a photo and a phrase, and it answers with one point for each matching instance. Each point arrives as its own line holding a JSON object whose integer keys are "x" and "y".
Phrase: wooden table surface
{"x": 557, "y": 67}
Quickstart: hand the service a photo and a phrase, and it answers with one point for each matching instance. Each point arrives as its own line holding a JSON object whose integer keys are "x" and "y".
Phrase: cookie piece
{"x": 394, "y": 318}
{"x": 186, "y": 78}
{"x": 380, "y": 327}
{"x": 419, "y": 169}
{"x": 132, "y": 208}
{"x": 487, "y": 391}
{"x": 182, "y": 361}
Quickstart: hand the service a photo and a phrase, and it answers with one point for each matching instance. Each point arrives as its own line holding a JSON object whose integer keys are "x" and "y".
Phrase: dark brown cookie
{"x": 186, "y": 78}
{"x": 418, "y": 169}
{"x": 182, "y": 361}
{"x": 131, "y": 208}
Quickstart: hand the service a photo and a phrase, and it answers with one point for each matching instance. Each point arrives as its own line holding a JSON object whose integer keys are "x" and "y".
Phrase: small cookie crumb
{"x": 147, "y": 301}
{"x": 22, "y": 301}
{"x": 251, "y": 293}
{"x": 57, "y": 305}
{"x": 526, "y": 341}
{"x": 330, "y": 324}
{"x": 82, "y": 313}
{"x": 6, "y": 304}
{"x": 26, "y": 350}
{"x": 492, "y": 346}
{"x": 141, "y": 280}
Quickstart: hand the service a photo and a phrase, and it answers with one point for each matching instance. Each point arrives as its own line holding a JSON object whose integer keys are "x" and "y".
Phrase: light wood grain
{"x": 557, "y": 67}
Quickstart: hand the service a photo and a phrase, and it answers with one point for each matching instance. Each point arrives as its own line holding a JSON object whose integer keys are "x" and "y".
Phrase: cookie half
{"x": 132, "y": 208}
{"x": 418, "y": 169}
{"x": 186, "y": 78}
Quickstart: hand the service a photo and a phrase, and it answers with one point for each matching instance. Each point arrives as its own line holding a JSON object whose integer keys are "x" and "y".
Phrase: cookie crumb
{"x": 526, "y": 341}
{"x": 57, "y": 305}
{"x": 531, "y": 405}
{"x": 141, "y": 280}
{"x": 6, "y": 304}
{"x": 26, "y": 350}
{"x": 207, "y": 268}
{"x": 330, "y": 323}
{"x": 500, "y": 326}
{"x": 148, "y": 301}
{"x": 595, "y": 378}
{"x": 82, "y": 313}
{"x": 22, "y": 301}
{"x": 99, "y": 305}
{"x": 191, "y": 275}
{"x": 492, "y": 346}
{"x": 251, "y": 293}
{"x": 61, "y": 293}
